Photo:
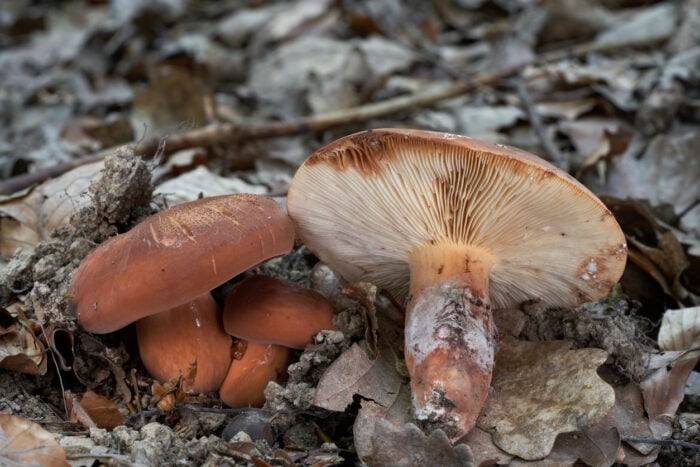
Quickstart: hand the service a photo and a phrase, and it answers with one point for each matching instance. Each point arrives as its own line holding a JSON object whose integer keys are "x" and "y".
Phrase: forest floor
{"x": 113, "y": 110}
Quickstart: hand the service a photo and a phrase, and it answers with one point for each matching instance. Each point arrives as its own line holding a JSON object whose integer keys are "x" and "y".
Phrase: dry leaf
{"x": 20, "y": 350}
{"x": 408, "y": 446}
{"x": 644, "y": 27}
{"x": 542, "y": 389}
{"x": 664, "y": 389}
{"x": 486, "y": 120}
{"x": 567, "y": 109}
{"x": 201, "y": 182}
{"x": 101, "y": 410}
{"x": 630, "y": 419}
{"x": 355, "y": 373}
{"x": 484, "y": 451}
{"x": 595, "y": 138}
{"x": 666, "y": 173}
{"x": 28, "y": 218}
{"x": 398, "y": 413}
{"x": 25, "y": 443}
{"x": 680, "y": 329}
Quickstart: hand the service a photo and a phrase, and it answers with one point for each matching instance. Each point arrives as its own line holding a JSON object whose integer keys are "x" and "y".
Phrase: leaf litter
{"x": 603, "y": 89}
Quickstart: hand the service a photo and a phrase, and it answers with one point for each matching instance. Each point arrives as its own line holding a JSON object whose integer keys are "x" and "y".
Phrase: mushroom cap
{"x": 176, "y": 255}
{"x": 172, "y": 340}
{"x": 266, "y": 310}
{"x": 248, "y": 375}
{"x": 364, "y": 203}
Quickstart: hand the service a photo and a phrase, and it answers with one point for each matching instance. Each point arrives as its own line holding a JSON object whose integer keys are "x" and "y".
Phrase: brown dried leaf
{"x": 27, "y": 218}
{"x": 663, "y": 391}
{"x": 407, "y": 446}
{"x": 484, "y": 451}
{"x": 20, "y": 350}
{"x": 630, "y": 419}
{"x": 355, "y": 373}
{"x": 25, "y": 443}
{"x": 101, "y": 410}
{"x": 542, "y": 389}
{"x": 398, "y": 413}
{"x": 680, "y": 329}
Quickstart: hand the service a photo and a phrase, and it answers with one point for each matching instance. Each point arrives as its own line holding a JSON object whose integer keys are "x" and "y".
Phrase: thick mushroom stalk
{"x": 449, "y": 336}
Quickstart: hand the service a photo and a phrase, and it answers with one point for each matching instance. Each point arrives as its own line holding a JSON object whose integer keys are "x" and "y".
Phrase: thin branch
{"x": 227, "y": 133}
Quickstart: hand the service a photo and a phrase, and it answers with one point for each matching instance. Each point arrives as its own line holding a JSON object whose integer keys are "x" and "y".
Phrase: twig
{"x": 226, "y": 133}
{"x": 662, "y": 442}
{"x": 137, "y": 396}
{"x": 556, "y": 156}
{"x": 14, "y": 184}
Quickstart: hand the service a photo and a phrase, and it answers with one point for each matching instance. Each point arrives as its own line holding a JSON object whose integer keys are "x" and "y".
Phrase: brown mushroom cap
{"x": 271, "y": 311}
{"x": 177, "y": 255}
{"x": 172, "y": 340}
{"x": 248, "y": 375}
{"x": 368, "y": 202}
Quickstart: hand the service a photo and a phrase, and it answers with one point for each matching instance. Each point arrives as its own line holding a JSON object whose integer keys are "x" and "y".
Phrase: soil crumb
{"x": 609, "y": 324}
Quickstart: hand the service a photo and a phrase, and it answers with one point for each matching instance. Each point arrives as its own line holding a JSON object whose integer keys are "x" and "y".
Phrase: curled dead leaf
{"x": 23, "y": 442}
{"x": 20, "y": 349}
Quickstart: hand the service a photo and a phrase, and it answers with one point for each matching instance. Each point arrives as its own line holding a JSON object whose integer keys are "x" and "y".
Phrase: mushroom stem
{"x": 449, "y": 336}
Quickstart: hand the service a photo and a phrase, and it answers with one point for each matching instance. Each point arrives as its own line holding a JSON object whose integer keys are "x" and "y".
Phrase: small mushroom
{"x": 171, "y": 261}
{"x": 251, "y": 370}
{"x": 192, "y": 333}
{"x": 270, "y": 317}
{"x": 266, "y": 310}
{"x": 453, "y": 226}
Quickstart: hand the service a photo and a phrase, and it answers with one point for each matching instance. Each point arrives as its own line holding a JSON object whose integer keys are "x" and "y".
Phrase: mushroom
{"x": 453, "y": 226}
{"x": 269, "y": 317}
{"x": 173, "y": 259}
{"x": 266, "y": 310}
{"x": 251, "y": 369}
{"x": 170, "y": 341}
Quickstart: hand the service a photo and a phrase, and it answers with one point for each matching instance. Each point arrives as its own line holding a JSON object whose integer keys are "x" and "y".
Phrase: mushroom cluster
{"x": 453, "y": 227}
{"x": 160, "y": 274}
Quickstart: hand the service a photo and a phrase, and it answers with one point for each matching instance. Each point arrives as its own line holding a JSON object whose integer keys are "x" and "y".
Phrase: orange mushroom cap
{"x": 271, "y": 311}
{"x": 248, "y": 376}
{"x": 172, "y": 340}
{"x": 176, "y": 255}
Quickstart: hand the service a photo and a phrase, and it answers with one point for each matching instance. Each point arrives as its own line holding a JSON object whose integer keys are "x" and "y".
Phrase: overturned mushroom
{"x": 453, "y": 226}
{"x": 172, "y": 259}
